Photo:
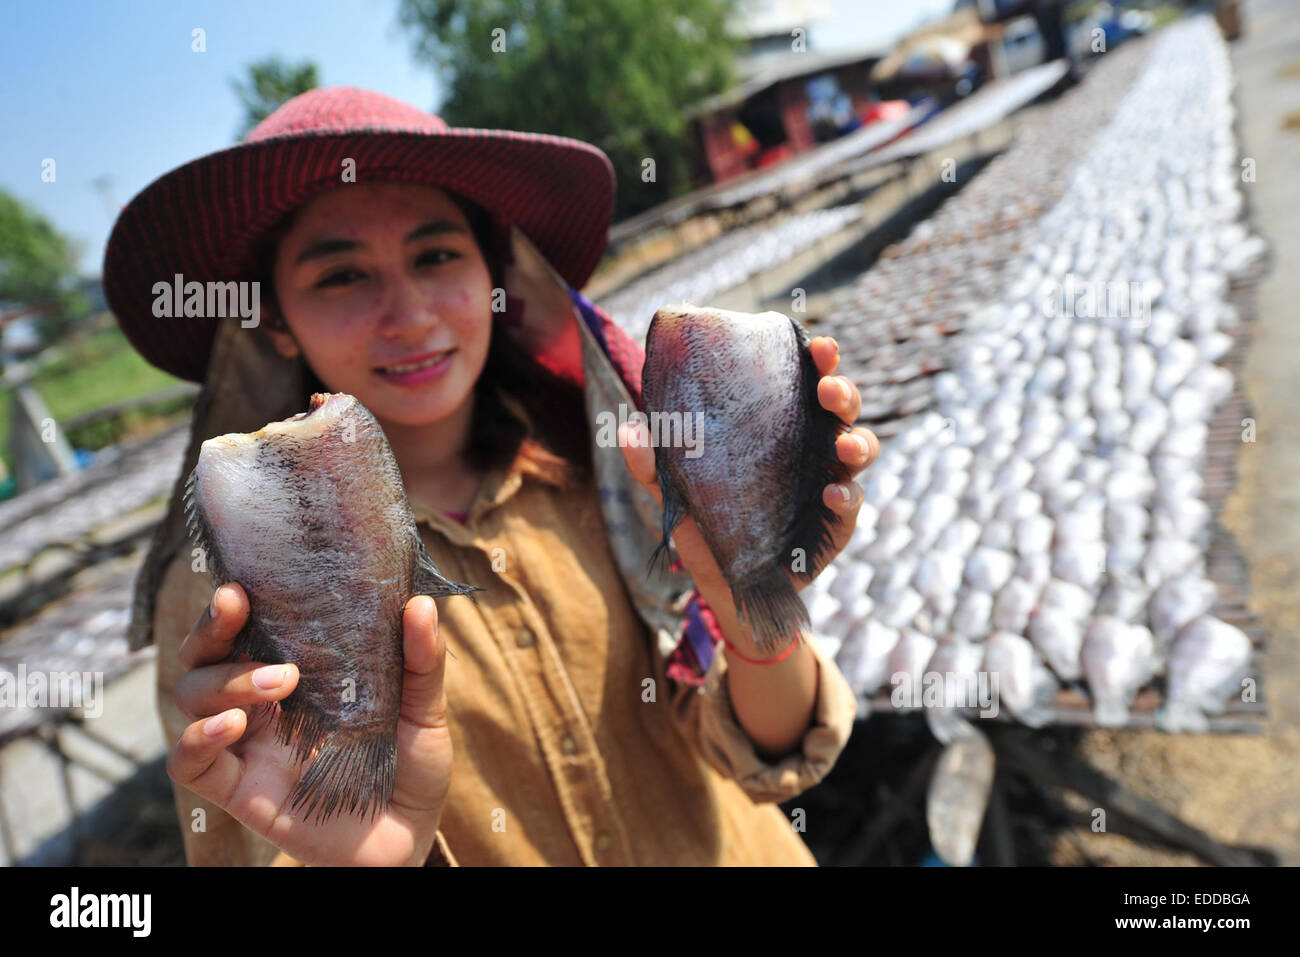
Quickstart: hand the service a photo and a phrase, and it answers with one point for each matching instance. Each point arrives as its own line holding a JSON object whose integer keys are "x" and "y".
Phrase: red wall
{"x": 725, "y": 161}
{"x": 793, "y": 97}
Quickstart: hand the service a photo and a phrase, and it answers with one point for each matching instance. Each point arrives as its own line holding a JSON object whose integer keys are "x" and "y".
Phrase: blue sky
{"x": 113, "y": 90}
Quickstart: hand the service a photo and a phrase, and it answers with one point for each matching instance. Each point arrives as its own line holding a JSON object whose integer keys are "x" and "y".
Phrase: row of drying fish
{"x": 723, "y": 264}
{"x": 82, "y": 634}
{"x": 1047, "y": 522}
{"x": 921, "y": 291}
{"x": 990, "y": 105}
{"x": 795, "y": 173}
{"x": 63, "y": 510}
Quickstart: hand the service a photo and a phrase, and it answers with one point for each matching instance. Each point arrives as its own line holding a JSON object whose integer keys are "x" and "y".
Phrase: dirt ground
{"x": 1241, "y": 789}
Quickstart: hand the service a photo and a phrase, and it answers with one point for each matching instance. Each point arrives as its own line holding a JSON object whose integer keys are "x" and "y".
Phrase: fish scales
{"x": 310, "y": 517}
{"x": 766, "y": 450}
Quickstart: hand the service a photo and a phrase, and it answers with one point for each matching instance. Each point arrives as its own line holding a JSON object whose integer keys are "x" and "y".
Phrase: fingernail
{"x": 844, "y": 492}
{"x": 863, "y": 449}
{"x": 845, "y": 391}
{"x": 272, "y": 676}
{"x": 212, "y": 608}
{"x": 215, "y": 725}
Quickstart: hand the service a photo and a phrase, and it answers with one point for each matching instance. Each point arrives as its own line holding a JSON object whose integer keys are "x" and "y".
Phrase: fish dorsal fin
{"x": 429, "y": 581}
{"x": 198, "y": 531}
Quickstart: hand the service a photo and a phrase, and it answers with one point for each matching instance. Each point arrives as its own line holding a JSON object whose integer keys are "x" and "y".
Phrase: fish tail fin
{"x": 354, "y": 770}
{"x": 818, "y": 466}
{"x": 772, "y": 609}
{"x": 674, "y": 510}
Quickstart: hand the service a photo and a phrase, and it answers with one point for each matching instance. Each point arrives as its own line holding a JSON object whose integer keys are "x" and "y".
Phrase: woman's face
{"x": 388, "y": 297}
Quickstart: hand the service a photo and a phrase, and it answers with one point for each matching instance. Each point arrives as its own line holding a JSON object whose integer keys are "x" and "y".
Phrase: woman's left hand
{"x": 857, "y": 449}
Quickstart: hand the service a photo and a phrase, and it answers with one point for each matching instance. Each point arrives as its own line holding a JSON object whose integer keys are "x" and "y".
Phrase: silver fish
{"x": 1025, "y": 685}
{"x": 1209, "y": 659}
{"x": 310, "y": 517}
{"x": 1117, "y": 659}
{"x": 765, "y": 451}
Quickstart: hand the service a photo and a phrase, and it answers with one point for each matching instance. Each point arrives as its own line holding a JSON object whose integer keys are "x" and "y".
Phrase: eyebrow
{"x": 324, "y": 248}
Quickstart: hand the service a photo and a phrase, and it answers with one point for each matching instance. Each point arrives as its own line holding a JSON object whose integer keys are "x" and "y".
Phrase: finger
{"x": 634, "y": 440}
{"x": 837, "y": 394}
{"x": 214, "y": 688}
{"x": 211, "y": 640}
{"x": 423, "y": 735}
{"x": 826, "y": 354}
{"x": 845, "y": 500}
{"x": 424, "y": 702}
{"x": 200, "y": 760}
{"x": 857, "y": 449}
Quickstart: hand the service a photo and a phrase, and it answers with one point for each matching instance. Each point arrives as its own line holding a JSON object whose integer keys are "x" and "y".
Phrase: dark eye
{"x": 341, "y": 277}
{"x": 436, "y": 257}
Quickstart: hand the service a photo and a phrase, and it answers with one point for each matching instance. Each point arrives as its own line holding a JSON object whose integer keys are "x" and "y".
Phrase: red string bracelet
{"x": 715, "y": 631}
{"x": 754, "y": 661}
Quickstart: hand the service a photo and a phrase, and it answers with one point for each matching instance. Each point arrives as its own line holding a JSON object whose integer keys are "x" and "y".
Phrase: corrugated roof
{"x": 766, "y": 71}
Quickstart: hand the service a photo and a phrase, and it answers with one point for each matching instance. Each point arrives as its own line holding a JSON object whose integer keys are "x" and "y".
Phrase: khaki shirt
{"x": 570, "y": 744}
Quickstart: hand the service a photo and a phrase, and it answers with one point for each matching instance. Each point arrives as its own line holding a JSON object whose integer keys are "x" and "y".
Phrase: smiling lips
{"x": 415, "y": 365}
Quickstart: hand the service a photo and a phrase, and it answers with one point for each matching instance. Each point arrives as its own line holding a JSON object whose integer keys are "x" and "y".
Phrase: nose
{"x": 409, "y": 311}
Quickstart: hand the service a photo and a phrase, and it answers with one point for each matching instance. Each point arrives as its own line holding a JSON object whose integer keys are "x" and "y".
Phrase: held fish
{"x": 310, "y": 516}
{"x": 764, "y": 449}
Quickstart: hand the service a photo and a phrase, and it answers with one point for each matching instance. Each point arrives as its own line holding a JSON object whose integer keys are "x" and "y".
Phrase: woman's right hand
{"x": 241, "y": 765}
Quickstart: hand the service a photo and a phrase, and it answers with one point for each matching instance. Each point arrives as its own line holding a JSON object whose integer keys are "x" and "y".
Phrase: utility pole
{"x": 103, "y": 186}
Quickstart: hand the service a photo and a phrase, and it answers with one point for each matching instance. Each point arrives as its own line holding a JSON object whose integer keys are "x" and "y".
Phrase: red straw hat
{"x": 204, "y": 219}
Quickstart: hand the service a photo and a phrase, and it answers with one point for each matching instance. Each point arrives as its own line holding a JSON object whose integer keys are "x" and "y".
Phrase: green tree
{"x": 272, "y": 81}
{"x": 616, "y": 74}
{"x": 38, "y": 268}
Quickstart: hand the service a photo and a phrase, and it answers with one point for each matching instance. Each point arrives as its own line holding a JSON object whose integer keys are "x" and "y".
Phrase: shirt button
{"x": 568, "y": 745}
{"x": 602, "y": 841}
{"x": 524, "y": 639}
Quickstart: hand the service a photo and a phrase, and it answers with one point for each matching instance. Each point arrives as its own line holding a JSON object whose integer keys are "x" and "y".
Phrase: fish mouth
{"x": 318, "y": 401}
{"x": 291, "y": 425}
{"x": 415, "y": 363}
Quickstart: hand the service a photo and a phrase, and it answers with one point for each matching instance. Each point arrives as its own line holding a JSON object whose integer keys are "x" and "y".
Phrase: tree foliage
{"x": 617, "y": 74}
{"x": 38, "y": 266}
{"x": 271, "y": 82}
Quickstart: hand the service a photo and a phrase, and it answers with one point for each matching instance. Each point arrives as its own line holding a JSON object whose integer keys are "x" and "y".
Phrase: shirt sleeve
{"x": 706, "y": 716}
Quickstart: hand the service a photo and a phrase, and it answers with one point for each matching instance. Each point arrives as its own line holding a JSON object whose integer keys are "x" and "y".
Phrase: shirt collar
{"x": 500, "y": 483}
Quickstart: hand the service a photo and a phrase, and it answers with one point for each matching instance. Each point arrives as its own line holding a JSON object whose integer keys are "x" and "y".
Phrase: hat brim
{"x": 203, "y": 221}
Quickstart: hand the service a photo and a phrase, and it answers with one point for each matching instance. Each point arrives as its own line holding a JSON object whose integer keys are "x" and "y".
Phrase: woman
{"x": 588, "y": 717}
